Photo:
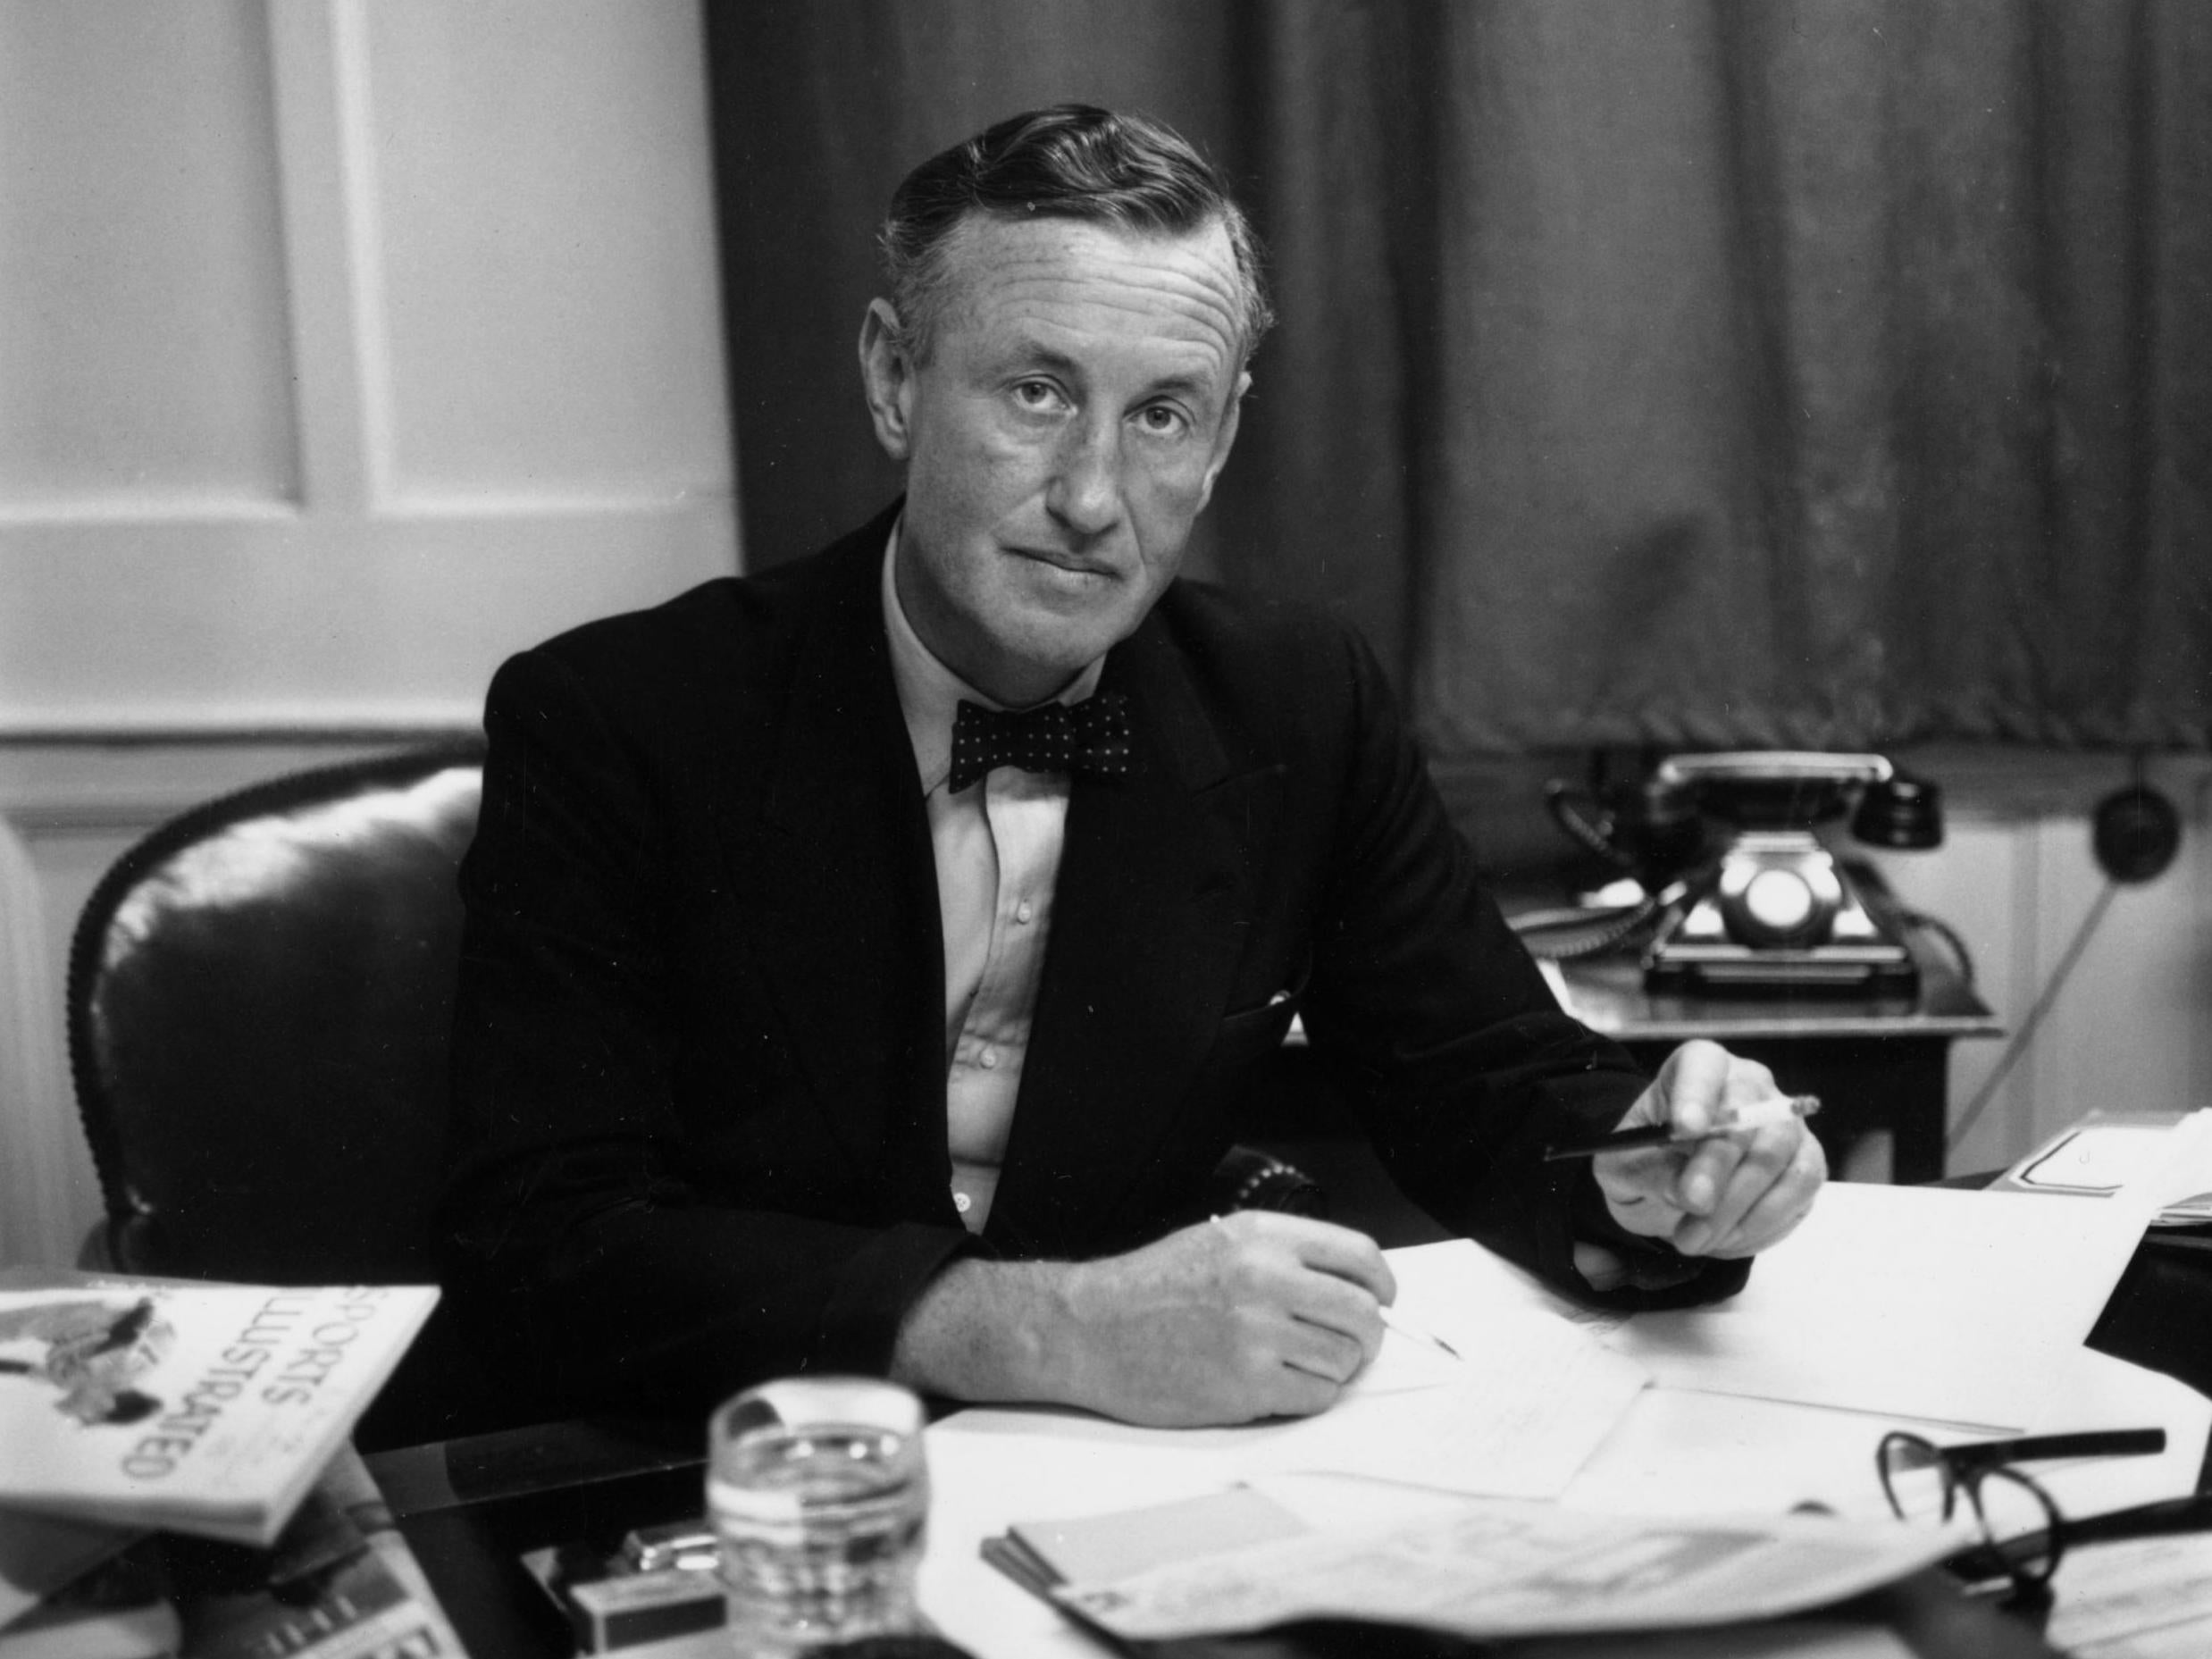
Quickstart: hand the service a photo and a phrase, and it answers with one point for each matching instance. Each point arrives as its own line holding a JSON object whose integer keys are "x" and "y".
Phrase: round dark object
{"x": 1905, "y": 812}
{"x": 2136, "y": 833}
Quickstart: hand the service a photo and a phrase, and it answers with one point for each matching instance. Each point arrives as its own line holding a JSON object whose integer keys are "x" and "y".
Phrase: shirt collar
{"x": 929, "y": 692}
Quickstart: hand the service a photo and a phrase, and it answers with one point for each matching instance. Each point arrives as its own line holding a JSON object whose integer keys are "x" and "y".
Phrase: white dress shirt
{"x": 998, "y": 845}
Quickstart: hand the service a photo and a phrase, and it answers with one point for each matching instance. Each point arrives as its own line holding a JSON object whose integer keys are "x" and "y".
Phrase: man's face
{"x": 1077, "y": 403}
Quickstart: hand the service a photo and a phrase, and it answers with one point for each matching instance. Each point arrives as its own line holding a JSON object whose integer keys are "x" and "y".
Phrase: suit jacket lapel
{"x": 1153, "y": 879}
{"x": 839, "y": 894}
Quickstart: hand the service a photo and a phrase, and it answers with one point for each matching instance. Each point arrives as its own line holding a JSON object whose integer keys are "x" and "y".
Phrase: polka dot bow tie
{"x": 1090, "y": 736}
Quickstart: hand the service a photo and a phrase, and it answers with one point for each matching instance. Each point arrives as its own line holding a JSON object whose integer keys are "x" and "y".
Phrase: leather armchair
{"x": 259, "y": 998}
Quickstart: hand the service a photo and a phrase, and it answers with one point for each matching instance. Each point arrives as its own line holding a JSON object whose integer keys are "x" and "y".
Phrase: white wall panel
{"x": 2133, "y": 977}
{"x": 144, "y": 363}
{"x": 1973, "y": 885}
{"x": 345, "y": 348}
{"x": 547, "y": 308}
{"x": 2131, "y": 1029}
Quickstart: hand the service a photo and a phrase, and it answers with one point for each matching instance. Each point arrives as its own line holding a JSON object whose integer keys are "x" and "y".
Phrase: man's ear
{"x": 887, "y": 379}
{"x": 1225, "y": 438}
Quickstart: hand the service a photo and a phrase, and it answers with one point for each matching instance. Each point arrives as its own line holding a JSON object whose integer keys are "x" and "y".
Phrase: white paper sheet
{"x": 1922, "y": 1302}
{"x": 1680, "y": 1451}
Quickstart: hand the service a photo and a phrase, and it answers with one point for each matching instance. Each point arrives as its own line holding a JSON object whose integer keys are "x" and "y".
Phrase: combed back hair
{"x": 1073, "y": 161}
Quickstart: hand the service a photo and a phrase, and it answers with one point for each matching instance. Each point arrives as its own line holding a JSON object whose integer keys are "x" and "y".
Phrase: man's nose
{"x": 1085, "y": 492}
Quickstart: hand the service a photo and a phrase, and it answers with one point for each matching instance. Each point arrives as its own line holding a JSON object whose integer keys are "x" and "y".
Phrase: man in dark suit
{"x": 819, "y": 1011}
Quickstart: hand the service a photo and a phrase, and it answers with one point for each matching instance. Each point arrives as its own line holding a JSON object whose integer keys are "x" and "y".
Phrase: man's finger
{"x": 1778, "y": 1211}
{"x": 1765, "y": 1160}
{"x": 1321, "y": 1352}
{"x": 1692, "y": 1085}
{"x": 1349, "y": 1310}
{"x": 1702, "y": 1184}
{"x": 1639, "y": 1187}
{"x": 1343, "y": 1254}
{"x": 1292, "y": 1392}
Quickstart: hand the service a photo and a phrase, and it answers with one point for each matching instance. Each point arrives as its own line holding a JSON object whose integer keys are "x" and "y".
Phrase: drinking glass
{"x": 819, "y": 1499}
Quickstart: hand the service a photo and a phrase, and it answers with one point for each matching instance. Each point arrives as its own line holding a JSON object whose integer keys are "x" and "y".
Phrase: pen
{"x": 1394, "y": 1320}
{"x": 1405, "y": 1326}
{"x": 1754, "y": 1117}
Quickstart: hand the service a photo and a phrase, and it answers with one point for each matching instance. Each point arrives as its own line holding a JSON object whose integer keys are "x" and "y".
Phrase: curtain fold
{"x": 1822, "y": 373}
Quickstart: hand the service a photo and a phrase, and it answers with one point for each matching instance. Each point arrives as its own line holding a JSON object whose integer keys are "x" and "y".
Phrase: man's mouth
{"x": 1074, "y": 564}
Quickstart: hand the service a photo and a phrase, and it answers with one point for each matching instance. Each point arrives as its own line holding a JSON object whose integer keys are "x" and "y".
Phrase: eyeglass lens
{"x": 2012, "y": 1513}
{"x": 2019, "y": 1518}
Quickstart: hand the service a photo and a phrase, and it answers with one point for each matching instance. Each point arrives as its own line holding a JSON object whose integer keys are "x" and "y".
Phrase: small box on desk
{"x": 615, "y": 1605}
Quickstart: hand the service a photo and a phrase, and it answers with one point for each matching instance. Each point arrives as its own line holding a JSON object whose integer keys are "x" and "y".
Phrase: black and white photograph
{"x": 1202, "y": 829}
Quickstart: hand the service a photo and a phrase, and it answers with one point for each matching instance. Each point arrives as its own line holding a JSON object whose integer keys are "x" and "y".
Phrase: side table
{"x": 1876, "y": 1063}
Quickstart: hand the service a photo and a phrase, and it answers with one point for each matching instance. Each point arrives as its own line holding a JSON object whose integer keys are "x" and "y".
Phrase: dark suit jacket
{"x": 699, "y": 1131}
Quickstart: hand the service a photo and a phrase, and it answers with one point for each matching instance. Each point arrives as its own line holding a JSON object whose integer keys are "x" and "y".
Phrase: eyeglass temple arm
{"x": 2093, "y": 1442}
{"x": 2147, "y": 1520}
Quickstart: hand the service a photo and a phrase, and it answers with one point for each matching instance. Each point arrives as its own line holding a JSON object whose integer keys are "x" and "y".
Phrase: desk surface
{"x": 470, "y": 1508}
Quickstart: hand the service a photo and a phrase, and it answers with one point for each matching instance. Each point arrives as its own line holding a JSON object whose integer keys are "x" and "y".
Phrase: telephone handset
{"x": 1747, "y": 897}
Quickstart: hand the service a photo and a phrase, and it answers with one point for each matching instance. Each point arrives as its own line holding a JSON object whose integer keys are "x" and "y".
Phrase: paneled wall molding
{"x": 123, "y": 777}
{"x": 351, "y": 347}
{"x": 340, "y": 618}
{"x": 45, "y": 1172}
{"x": 137, "y": 508}
{"x": 142, "y": 728}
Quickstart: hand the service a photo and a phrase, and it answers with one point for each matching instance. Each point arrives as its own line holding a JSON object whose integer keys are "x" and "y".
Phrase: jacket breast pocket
{"x": 1247, "y": 1033}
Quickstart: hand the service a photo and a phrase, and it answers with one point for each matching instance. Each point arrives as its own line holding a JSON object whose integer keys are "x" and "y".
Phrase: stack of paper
{"x": 1959, "y": 1315}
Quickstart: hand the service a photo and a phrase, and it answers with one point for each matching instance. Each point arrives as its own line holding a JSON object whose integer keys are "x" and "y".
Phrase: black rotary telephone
{"x": 1741, "y": 894}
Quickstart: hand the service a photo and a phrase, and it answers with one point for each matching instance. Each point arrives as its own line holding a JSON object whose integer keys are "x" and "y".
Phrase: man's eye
{"x": 1161, "y": 420}
{"x": 1035, "y": 394}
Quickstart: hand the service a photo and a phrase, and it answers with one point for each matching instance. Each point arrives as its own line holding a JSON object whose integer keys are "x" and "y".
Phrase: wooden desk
{"x": 1877, "y": 1063}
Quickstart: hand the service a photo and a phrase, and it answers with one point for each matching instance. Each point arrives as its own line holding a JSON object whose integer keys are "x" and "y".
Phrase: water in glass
{"x": 819, "y": 1497}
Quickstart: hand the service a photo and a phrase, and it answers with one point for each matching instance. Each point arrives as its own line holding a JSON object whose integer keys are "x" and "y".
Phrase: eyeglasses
{"x": 2023, "y": 1534}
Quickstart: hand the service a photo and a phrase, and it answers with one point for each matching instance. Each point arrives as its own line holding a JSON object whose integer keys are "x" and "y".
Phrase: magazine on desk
{"x": 1482, "y": 1568}
{"x": 198, "y": 1408}
{"x": 342, "y": 1583}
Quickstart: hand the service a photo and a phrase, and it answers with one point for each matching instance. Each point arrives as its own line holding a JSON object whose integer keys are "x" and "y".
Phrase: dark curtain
{"x": 1822, "y": 374}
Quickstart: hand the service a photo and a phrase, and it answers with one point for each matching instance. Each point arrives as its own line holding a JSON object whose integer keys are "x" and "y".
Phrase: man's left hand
{"x": 1730, "y": 1195}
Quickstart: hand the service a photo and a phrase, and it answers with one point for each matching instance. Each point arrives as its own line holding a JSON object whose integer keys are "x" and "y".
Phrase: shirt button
{"x": 962, "y": 1202}
{"x": 1022, "y": 912}
{"x": 988, "y": 1060}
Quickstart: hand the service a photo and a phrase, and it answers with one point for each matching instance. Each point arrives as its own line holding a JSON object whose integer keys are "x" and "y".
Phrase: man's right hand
{"x": 1252, "y": 1315}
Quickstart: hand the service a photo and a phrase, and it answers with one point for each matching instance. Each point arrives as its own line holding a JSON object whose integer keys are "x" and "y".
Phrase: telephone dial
{"x": 1741, "y": 893}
